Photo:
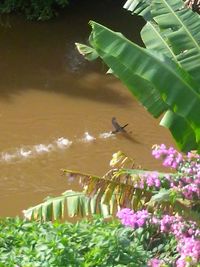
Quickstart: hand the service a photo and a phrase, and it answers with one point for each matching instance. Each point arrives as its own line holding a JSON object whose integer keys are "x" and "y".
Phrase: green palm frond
{"x": 102, "y": 195}
{"x": 70, "y": 204}
{"x": 117, "y": 184}
{"x": 105, "y": 195}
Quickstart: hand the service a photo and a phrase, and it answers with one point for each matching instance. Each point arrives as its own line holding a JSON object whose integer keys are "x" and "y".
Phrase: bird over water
{"x": 118, "y": 127}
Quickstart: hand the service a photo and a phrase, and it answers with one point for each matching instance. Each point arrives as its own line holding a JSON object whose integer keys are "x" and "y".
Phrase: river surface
{"x": 50, "y": 98}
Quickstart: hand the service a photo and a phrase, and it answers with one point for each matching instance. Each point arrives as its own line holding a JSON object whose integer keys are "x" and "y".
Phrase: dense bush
{"x": 33, "y": 9}
{"x": 96, "y": 243}
{"x": 86, "y": 243}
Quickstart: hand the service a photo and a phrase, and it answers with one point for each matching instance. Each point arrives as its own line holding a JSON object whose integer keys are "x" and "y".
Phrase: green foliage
{"x": 87, "y": 244}
{"x": 156, "y": 243}
{"x": 164, "y": 77}
{"x": 33, "y": 9}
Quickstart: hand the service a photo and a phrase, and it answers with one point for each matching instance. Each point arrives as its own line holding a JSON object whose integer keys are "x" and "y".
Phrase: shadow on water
{"x": 42, "y": 56}
{"x": 128, "y": 136}
{"x": 89, "y": 86}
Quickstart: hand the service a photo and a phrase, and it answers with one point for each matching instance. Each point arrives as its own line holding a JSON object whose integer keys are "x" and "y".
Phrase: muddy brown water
{"x": 50, "y": 97}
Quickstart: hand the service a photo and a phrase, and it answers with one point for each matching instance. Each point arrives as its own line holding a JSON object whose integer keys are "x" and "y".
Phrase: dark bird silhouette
{"x": 118, "y": 128}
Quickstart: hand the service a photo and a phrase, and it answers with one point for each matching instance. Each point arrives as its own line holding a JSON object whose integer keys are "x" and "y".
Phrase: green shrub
{"x": 86, "y": 243}
{"x": 33, "y": 9}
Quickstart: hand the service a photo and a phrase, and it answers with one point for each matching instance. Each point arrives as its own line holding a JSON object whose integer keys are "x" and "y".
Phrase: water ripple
{"x": 26, "y": 152}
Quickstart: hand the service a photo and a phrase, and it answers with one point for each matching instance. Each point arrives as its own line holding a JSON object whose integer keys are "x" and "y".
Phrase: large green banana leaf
{"x": 184, "y": 36}
{"x": 176, "y": 27}
{"x": 127, "y": 60}
{"x": 164, "y": 75}
{"x": 180, "y": 130}
{"x": 185, "y": 53}
{"x": 155, "y": 40}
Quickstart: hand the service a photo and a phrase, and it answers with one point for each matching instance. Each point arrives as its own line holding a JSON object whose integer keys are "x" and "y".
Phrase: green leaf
{"x": 155, "y": 40}
{"x": 88, "y": 52}
{"x": 181, "y": 131}
{"x": 181, "y": 28}
{"x": 139, "y": 7}
{"x": 162, "y": 196}
{"x": 166, "y": 35}
{"x": 127, "y": 60}
{"x": 47, "y": 211}
{"x": 173, "y": 29}
{"x": 57, "y": 208}
{"x": 167, "y": 69}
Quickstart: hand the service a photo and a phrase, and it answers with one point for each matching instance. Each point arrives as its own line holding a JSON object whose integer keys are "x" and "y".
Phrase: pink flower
{"x": 189, "y": 249}
{"x": 154, "y": 263}
{"x": 133, "y": 219}
{"x": 171, "y": 158}
{"x": 153, "y": 180}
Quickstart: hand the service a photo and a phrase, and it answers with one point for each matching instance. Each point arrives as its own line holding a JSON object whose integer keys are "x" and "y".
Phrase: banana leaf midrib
{"x": 74, "y": 172}
{"x": 122, "y": 171}
{"x": 163, "y": 41}
{"x": 182, "y": 24}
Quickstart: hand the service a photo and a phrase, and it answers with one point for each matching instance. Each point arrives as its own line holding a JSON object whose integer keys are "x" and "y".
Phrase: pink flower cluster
{"x": 155, "y": 263}
{"x": 153, "y": 180}
{"x": 148, "y": 179}
{"x": 178, "y": 227}
{"x": 171, "y": 158}
{"x": 133, "y": 219}
{"x": 187, "y": 179}
{"x": 187, "y": 233}
{"x": 190, "y": 176}
{"x": 189, "y": 249}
